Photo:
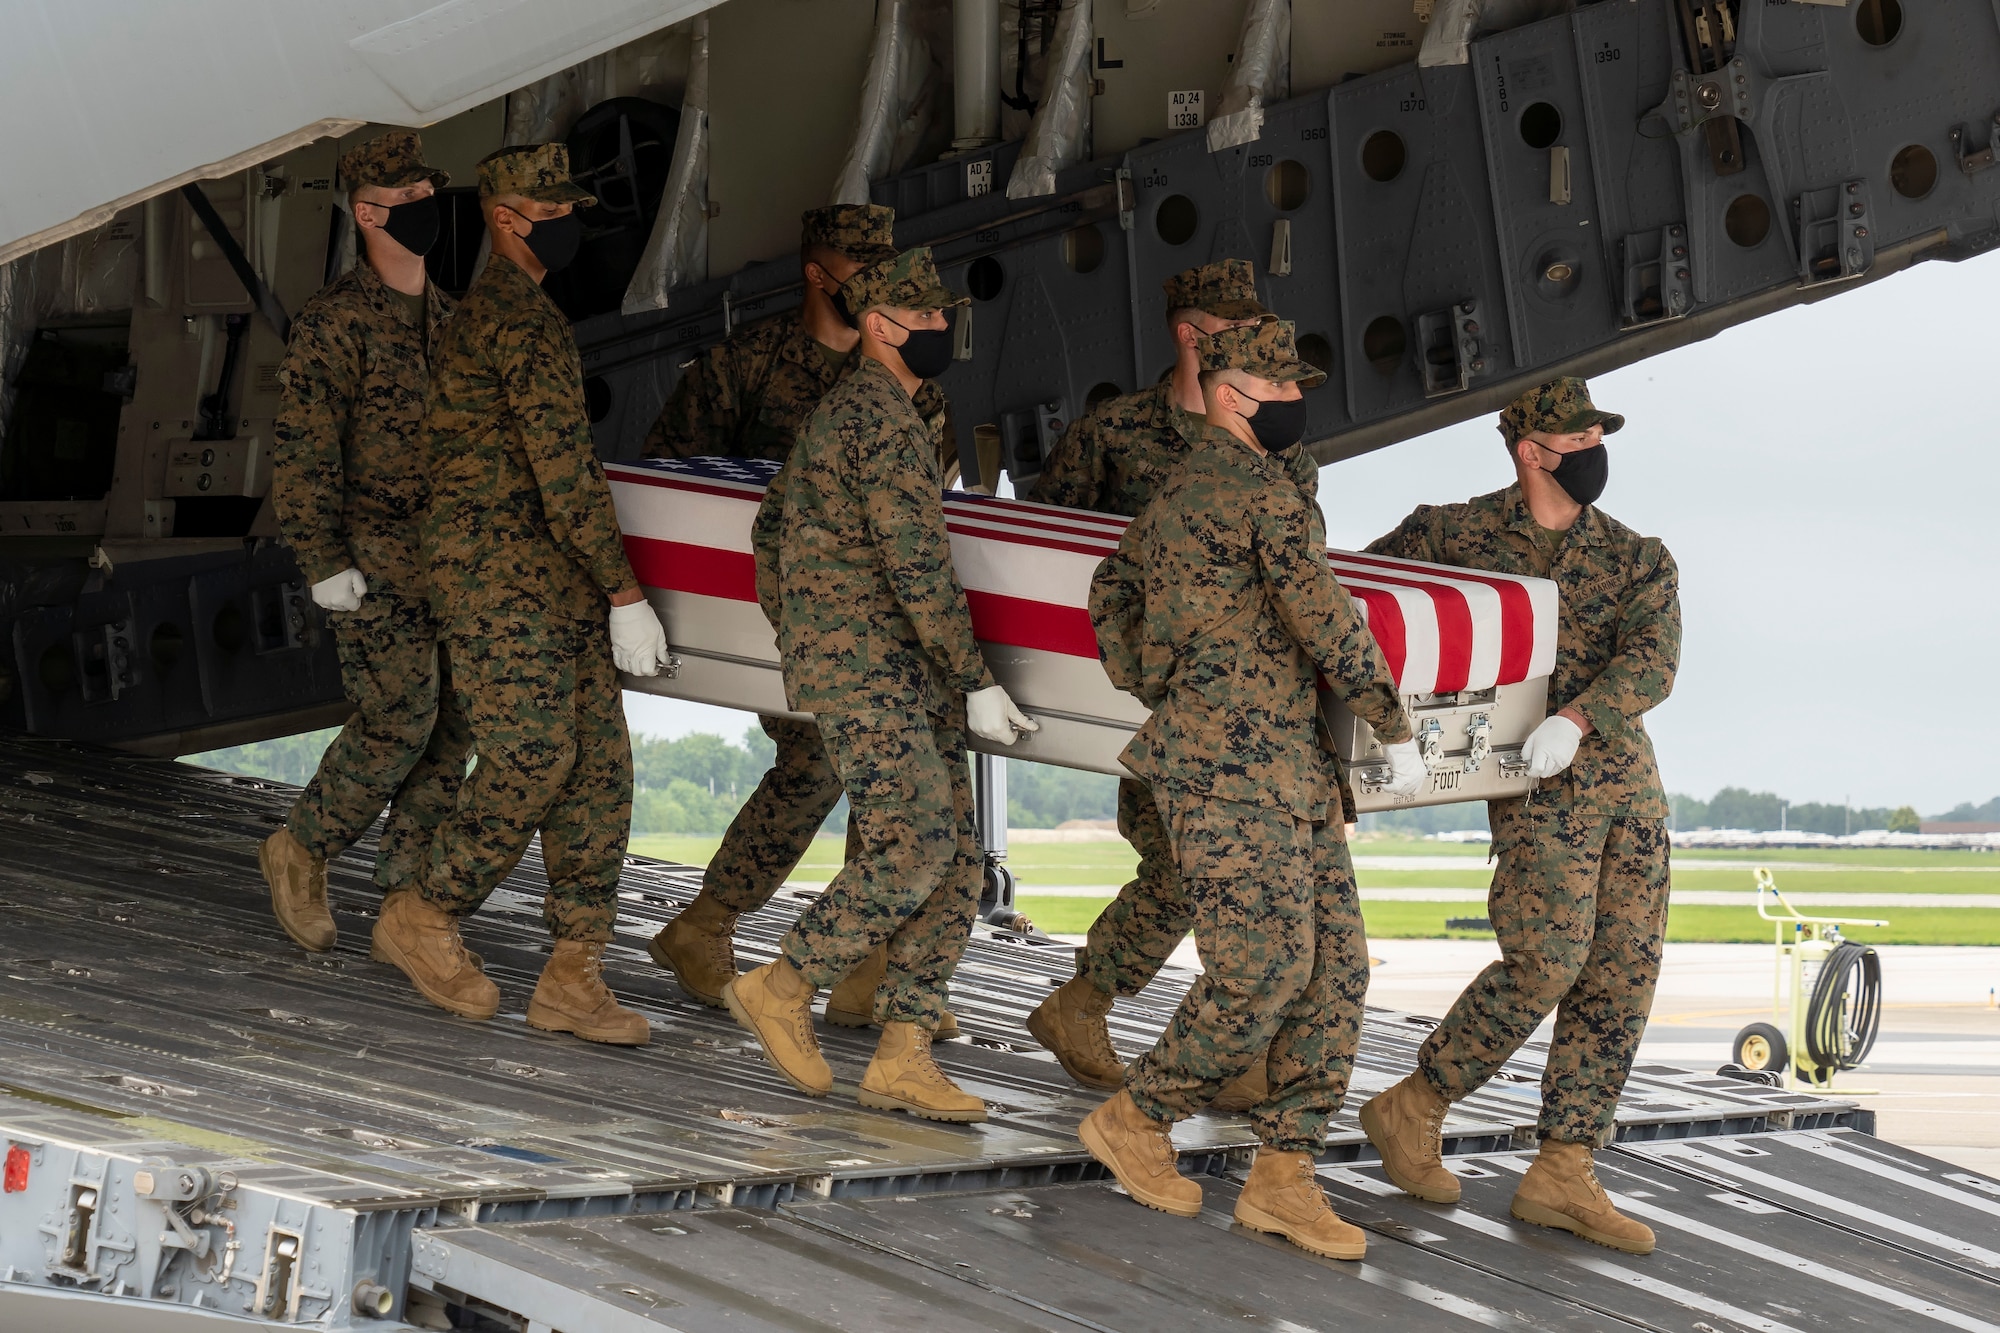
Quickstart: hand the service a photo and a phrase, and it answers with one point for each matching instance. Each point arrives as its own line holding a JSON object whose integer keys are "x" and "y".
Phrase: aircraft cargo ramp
{"x": 204, "y": 1125}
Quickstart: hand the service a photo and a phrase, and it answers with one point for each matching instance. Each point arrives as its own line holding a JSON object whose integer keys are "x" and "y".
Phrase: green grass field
{"x": 1109, "y": 864}
{"x": 1703, "y": 925}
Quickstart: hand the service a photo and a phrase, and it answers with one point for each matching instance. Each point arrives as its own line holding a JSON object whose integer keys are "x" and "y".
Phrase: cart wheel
{"x": 1761, "y": 1046}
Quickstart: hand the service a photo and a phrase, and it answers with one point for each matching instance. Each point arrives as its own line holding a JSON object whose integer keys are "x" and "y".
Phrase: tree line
{"x": 696, "y": 783}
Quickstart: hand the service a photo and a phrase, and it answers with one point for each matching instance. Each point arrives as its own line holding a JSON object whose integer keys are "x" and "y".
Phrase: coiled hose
{"x": 1846, "y": 1008}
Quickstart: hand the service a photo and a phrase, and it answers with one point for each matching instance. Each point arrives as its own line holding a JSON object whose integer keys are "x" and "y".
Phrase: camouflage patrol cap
{"x": 865, "y": 233}
{"x": 390, "y": 160}
{"x": 1560, "y": 407}
{"x": 908, "y": 281}
{"x": 1265, "y": 350}
{"x": 1226, "y": 289}
{"x": 537, "y": 171}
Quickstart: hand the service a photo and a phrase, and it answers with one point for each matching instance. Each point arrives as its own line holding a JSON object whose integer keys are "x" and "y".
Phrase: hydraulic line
{"x": 1846, "y": 1008}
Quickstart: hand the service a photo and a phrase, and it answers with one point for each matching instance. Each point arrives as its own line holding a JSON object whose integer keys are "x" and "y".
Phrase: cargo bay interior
{"x": 204, "y": 1127}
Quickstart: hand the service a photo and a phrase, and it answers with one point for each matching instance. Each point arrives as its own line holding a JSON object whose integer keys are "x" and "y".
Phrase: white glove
{"x": 638, "y": 640}
{"x": 342, "y": 592}
{"x": 1406, "y": 768}
{"x": 992, "y": 716}
{"x": 1551, "y": 746}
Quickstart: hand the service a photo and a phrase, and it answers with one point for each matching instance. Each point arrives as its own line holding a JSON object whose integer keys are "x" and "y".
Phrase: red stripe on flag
{"x": 1517, "y": 613}
{"x": 744, "y": 491}
{"x": 1020, "y": 623}
{"x": 1115, "y": 522}
{"x": 1454, "y": 623}
{"x": 1011, "y": 524}
{"x": 1385, "y": 622}
{"x": 680, "y": 567}
{"x": 1042, "y": 543}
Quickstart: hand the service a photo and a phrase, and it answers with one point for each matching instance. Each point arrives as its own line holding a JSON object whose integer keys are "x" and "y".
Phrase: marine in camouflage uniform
{"x": 747, "y": 398}
{"x": 349, "y": 490}
{"x": 524, "y": 552}
{"x": 1579, "y": 897}
{"x": 1219, "y": 611}
{"x": 1112, "y": 460}
{"x": 877, "y": 643}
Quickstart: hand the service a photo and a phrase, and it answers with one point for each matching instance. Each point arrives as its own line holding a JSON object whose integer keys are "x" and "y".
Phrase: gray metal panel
{"x": 1726, "y": 1257}
{"x": 1419, "y": 241}
{"x": 1744, "y": 1255}
{"x": 149, "y": 1007}
{"x": 1531, "y": 109}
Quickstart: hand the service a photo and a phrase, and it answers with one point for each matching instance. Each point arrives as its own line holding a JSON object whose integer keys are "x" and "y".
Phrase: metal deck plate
{"x": 1085, "y": 1257}
{"x": 151, "y": 1008}
{"x": 147, "y": 995}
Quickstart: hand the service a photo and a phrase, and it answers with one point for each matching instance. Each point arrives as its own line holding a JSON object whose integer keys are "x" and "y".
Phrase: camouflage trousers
{"x": 1134, "y": 935}
{"x": 1579, "y": 903}
{"x": 1277, "y": 918}
{"x": 548, "y": 722}
{"x": 776, "y": 825}
{"x": 405, "y": 746}
{"x": 914, "y": 870}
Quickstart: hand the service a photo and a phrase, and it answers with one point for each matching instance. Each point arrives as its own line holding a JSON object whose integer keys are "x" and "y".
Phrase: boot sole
{"x": 550, "y": 1021}
{"x": 1093, "y": 1141}
{"x": 1371, "y": 1125}
{"x": 742, "y": 1017}
{"x": 390, "y": 956}
{"x": 1538, "y": 1215}
{"x": 1036, "y": 1025}
{"x": 284, "y": 923}
{"x": 882, "y": 1101}
{"x": 659, "y": 955}
{"x": 1257, "y": 1219}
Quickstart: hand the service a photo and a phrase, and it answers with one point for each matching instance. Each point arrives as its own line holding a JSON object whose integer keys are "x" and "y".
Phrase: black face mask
{"x": 926, "y": 352}
{"x": 1582, "y": 474}
{"x": 414, "y": 225}
{"x": 1280, "y": 423}
{"x": 839, "y": 299}
{"x": 554, "y": 241}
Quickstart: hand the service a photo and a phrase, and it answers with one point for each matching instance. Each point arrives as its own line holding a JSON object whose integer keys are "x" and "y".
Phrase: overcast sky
{"x": 1828, "y": 481}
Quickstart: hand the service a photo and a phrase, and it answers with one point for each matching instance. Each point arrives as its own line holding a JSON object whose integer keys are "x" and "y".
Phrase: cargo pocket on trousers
{"x": 1217, "y": 839}
{"x": 887, "y": 768}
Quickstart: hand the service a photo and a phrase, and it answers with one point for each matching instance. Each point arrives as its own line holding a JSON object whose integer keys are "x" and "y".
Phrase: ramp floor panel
{"x": 1084, "y": 1256}
{"x": 147, "y": 995}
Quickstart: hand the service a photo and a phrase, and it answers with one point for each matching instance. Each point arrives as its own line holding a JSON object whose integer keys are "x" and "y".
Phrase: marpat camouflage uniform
{"x": 747, "y": 398}
{"x": 1579, "y": 898}
{"x": 524, "y": 550}
{"x": 1220, "y": 612}
{"x": 350, "y": 491}
{"x": 1112, "y": 460}
{"x": 877, "y": 644}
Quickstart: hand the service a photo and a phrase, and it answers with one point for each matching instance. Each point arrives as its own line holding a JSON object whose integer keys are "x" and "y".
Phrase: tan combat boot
{"x": 775, "y": 1003}
{"x": 572, "y": 997}
{"x": 903, "y": 1077}
{"x": 1247, "y": 1090}
{"x": 1283, "y": 1197}
{"x": 298, "y": 890}
{"x": 1560, "y": 1190}
{"x": 851, "y": 1004}
{"x": 1140, "y": 1152}
{"x": 423, "y": 941}
{"x": 697, "y": 947}
{"x": 1070, "y": 1023}
{"x": 375, "y": 954}
{"x": 1406, "y": 1125}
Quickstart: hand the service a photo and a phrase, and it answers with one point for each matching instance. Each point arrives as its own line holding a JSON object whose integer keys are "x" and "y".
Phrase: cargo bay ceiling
{"x": 112, "y": 102}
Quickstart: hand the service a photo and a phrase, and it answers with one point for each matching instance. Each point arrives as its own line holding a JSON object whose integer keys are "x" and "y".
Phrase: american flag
{"x": 1026, "y": 569}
